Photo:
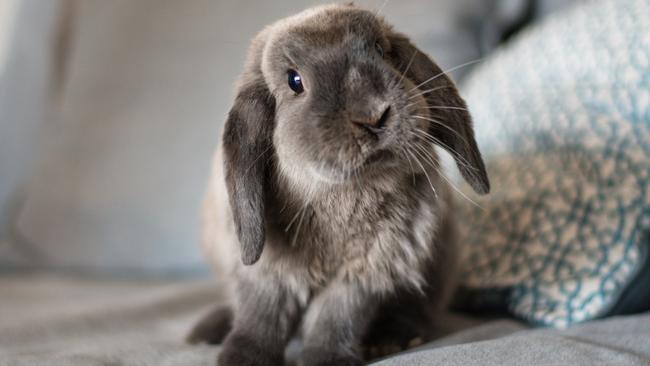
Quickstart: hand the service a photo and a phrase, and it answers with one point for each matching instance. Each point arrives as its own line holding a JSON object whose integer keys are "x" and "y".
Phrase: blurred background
{"x": 110, "y": 111}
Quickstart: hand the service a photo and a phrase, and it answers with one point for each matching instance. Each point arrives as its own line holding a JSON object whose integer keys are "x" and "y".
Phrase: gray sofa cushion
{"x": 73, "y": 321}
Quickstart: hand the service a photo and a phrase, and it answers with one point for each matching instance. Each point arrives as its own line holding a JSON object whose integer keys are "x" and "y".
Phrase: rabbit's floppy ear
{"x": 247, "y": 146}
{"x": 449, "y": 120}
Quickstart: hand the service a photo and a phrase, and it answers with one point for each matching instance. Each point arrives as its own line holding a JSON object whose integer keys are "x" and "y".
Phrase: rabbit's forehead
{"x": 327, "y": 28}
{"x": 326, "y": 40}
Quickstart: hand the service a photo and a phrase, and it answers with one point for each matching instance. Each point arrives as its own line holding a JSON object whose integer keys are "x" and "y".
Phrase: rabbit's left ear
{"x": 450, "y": 122}
{"x": 247, "y": 146}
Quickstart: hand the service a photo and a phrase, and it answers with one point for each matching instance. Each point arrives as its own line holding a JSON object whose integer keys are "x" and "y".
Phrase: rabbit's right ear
{"x": 247, "y": 146}
{"x": 450, "y": 122}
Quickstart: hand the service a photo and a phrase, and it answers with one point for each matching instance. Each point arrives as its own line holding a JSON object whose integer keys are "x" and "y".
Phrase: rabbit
{"x": 327, "y": 214}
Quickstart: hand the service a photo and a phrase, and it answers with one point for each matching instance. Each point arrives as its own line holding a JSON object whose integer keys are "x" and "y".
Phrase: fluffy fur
{"x": 319, "y": 222}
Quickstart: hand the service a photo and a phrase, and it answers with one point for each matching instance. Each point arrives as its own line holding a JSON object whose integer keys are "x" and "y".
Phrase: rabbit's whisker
{"x": 426, "y": 136}
{"x": 445, "y": 107}
{"x": 446, "y": 72}
{"x": 432, "y": 162}
{"x": 308, "y": 200}
{"x": 408, "y": 66}
{"x": 302, "y": 216}
{"x": 286, "y": 229}
{"x": 403, "y": 150}
{"x": 258, "y": 158}
{"x": 423, "y": 171}
{"x": 458, "y": 157}
{"x": 432, "y": 120}
{"x": 408, "y": 106}
{"x": 299, "y": 212}
{"x": 411, "y": 96}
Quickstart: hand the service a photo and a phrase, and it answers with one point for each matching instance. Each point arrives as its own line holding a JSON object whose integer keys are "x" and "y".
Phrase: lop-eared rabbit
{"x": 327, "y": 212}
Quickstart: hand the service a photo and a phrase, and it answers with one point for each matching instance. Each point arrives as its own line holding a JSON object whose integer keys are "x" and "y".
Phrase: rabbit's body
{"x": 326, "y": 206}
{"x": 330, "y": 246}
{"x": 327, "y": 237}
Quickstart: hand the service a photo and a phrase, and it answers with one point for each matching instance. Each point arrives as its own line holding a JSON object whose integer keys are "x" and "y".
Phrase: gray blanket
{"x": 62, "y": 320}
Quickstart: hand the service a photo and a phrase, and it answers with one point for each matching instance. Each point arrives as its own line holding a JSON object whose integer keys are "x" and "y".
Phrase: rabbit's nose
{"x": 371, "y": 121}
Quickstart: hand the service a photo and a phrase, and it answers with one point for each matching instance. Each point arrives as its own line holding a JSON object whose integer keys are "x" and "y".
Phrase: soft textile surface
{"x": 67, "y": 321}
{"x": 563, "y": 118}
{"x": 618, "y": 341}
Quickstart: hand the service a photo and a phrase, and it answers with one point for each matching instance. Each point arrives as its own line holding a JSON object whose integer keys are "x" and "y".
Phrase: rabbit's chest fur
{"x": 376, "y": 234}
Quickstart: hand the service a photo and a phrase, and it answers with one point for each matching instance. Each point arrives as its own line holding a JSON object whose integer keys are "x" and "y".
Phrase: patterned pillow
{"x": 563, "y": 118}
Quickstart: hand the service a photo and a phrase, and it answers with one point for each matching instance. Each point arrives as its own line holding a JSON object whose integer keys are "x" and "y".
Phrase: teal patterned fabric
{"x": 563, "y": 118}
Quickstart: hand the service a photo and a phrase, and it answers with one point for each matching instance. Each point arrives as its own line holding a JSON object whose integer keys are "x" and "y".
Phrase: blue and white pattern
{"x": 562, "y": 116}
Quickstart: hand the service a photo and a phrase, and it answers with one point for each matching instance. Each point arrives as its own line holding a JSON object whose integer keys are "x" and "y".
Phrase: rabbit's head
{"x": 335, "y": 94}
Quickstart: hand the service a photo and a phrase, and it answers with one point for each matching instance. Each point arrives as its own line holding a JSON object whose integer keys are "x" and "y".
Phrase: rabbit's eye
{"x": 379, "y": 49}
{"x": 295, "y": 81}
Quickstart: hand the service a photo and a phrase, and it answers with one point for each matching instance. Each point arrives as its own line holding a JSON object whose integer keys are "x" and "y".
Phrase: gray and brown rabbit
{"x": 327, "y": 212}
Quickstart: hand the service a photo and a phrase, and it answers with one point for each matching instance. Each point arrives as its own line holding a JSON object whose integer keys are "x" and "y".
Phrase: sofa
{"x": 110, "y": 111}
